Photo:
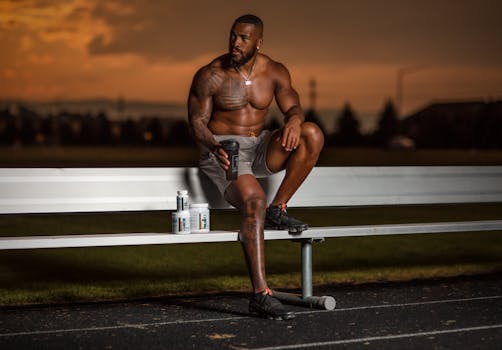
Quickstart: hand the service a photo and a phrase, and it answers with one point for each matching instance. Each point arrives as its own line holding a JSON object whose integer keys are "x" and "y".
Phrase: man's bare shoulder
{"x": 274, "y": 68}
{"x": 209, "y": 78}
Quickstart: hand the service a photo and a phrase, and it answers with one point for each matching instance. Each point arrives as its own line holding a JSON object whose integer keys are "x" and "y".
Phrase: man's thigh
{"x": 277, "y": 156}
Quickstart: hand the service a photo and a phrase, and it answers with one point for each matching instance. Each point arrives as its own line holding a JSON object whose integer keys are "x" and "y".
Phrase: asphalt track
{"x": 461, "y": 313}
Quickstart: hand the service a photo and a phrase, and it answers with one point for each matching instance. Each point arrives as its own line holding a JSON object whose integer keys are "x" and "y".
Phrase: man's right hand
{"x": 221, "y": 157}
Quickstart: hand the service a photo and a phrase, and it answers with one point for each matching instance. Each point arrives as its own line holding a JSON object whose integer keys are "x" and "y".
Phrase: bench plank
{"x": 73, "y": 241}
{"x": 58, "y": 190}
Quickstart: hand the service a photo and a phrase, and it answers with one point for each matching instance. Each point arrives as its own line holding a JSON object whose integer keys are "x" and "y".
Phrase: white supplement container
{"x": 182, "y": 202}
{"x": 199, "y": 217}
{"x": 181, "y": 222}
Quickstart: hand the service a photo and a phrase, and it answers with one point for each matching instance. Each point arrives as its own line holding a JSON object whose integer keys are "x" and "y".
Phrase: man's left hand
{"x": 290, "y": 138}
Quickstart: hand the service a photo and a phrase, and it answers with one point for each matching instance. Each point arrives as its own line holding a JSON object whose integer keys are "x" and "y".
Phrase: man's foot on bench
{"x": 277, "y": 218}
{"x": 266, "y": 306}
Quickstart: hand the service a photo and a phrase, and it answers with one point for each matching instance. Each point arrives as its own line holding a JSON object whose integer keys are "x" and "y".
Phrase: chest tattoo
{"x": 232, "y": 94}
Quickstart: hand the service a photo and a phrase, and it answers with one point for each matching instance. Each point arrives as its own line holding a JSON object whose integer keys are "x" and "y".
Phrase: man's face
{"x": 243, "y": 43}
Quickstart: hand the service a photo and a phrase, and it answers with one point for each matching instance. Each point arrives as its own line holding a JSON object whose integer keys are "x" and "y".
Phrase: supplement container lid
{"x": 182, "y": 192}
{"x": 181, "y": 213}
{"x": 199, "y": 205}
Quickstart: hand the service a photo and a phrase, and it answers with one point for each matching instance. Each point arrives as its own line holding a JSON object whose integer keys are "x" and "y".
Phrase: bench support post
{"x": 306, "y": 268}
{"x": 306, "y": 299}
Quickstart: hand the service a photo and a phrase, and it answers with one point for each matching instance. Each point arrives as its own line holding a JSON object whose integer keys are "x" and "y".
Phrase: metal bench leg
{"x": 306, "y": 268}
{"x": 306, "y": 299}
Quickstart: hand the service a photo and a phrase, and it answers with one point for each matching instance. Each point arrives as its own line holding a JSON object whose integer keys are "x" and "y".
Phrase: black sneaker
{"x": 277, "y": 218}
{"x": 266, "y": 306}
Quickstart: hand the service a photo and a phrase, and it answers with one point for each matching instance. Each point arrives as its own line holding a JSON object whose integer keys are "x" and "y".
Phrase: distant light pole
{"x": 401, "y": 72}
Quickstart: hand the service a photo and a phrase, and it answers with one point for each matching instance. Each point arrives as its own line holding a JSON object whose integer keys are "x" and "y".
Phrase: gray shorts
{"x": 252, "y": 159}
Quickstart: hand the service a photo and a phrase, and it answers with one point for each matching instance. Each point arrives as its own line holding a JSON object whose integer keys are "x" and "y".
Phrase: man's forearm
{"x": 203, "y": 135}
{"x": 294, "y": 113}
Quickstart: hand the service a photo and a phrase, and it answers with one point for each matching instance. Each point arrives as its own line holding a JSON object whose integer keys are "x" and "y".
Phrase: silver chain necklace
{"x": 247, "y": 79}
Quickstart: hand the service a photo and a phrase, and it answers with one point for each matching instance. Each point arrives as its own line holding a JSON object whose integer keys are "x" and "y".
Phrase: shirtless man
{"x": 229, "y": 99}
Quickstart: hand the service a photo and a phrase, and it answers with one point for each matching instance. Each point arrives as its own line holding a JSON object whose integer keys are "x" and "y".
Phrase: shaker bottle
{"x": 231, "y": 147}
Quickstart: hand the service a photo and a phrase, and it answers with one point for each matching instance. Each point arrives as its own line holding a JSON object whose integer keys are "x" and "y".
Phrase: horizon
{"x": 177, "y": 111}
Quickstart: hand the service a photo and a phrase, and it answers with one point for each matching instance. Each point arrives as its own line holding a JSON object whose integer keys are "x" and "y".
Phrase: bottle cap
{"x": 182, "y": 192}
{"x": 230, "y": 145}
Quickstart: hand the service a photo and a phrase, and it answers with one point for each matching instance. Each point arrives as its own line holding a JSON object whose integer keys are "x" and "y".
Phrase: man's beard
{"x": 245, "y": 58}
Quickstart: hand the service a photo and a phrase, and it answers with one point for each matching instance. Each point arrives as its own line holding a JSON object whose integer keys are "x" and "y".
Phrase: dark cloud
{"x": 397, "y": 31}
{"x": 163, "y": 29}
{"x": 462, "y": 31}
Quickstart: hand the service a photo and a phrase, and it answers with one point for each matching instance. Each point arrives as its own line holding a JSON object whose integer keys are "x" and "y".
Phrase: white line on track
{"x": 159, "y": 324}
{"x": 383, "y": 337}
{"x": 419, "y": 303}
{"x": 121, "y": 326}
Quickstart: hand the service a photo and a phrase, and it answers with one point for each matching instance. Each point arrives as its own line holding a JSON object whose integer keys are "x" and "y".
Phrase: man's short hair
{"x": 251, "y": 19}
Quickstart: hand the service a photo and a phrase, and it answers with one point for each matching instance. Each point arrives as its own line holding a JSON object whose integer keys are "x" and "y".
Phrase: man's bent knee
{"x": 312, "y": 133}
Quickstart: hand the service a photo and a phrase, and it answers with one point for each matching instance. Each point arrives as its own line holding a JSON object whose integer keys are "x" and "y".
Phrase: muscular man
{"x": 229, "y": 99}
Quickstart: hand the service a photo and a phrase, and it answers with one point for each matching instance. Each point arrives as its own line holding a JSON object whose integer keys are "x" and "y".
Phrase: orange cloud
{"x": 70, "y": 22}
{"x": 150, "y": 50}
{"x": 43, "y": 59}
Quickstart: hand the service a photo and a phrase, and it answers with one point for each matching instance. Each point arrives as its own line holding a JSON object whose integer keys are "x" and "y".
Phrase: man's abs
{"x": 246, "y": 122}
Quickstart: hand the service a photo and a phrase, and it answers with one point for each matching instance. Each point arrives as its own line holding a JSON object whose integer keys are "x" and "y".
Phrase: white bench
{"x": 67, "y": 190}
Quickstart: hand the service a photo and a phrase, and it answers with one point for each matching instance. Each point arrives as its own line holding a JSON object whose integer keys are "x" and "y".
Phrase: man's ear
{"x": 259, "y": 44}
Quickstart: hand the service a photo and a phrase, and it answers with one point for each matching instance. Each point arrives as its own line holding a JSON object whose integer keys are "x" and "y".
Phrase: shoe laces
{"x": 283, "y": 207}
{"x": 267, "y": 291}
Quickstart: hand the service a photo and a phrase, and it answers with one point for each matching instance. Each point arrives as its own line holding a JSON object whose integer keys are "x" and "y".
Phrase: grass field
{"x": 89, "y": 274}
{"x": 85, "y": 274}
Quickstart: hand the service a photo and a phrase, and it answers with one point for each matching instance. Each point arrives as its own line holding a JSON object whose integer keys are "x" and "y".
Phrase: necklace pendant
{"x": 248, "y": 82}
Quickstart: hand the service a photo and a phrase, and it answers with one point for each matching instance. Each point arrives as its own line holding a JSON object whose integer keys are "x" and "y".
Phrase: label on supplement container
{"x": 182, "y": 202}
{"x": 181, "y": 222}
{"x": 199, "y": 217}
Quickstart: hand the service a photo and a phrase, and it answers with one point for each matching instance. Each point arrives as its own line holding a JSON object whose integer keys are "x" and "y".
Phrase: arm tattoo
{"x": 200, "y": 104}
{"x": 202, "y": 133}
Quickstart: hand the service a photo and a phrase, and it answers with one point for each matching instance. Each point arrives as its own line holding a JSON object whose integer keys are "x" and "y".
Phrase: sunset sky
{"x": 149, "y": 50}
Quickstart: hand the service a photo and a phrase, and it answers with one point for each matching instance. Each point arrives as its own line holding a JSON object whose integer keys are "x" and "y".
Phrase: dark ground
{"x": 460, "y": 313}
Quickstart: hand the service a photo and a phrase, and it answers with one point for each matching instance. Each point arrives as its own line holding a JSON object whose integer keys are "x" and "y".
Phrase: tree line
{"x": 475, "y": 124}
{"x": 26, "y": 127}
